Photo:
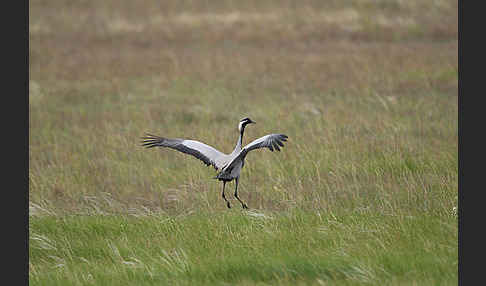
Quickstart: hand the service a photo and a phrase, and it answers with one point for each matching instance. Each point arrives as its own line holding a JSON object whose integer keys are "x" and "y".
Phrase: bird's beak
{"x": 253, "y": 122}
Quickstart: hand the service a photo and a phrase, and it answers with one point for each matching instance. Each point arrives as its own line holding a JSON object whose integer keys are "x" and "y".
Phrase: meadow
{"x": 365, "y": 191}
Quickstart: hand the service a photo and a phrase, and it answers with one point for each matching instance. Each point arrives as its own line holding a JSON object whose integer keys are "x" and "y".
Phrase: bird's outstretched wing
{"x": 270, "y": 141}
{"x": 203, "y": 152}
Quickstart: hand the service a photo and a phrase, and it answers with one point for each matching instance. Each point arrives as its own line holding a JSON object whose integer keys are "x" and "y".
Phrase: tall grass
{"x": 364, "y": 192}
{"x": 361, "y": 247}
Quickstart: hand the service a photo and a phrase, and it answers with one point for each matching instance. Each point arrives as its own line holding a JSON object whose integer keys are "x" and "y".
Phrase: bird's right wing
{"x": 270, "y": 141}
{"x": 203, "y": 152}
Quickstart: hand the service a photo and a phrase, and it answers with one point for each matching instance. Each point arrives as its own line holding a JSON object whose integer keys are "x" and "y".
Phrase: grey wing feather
{"x": 203, "y": 152}
{"x": 270, "y": 141}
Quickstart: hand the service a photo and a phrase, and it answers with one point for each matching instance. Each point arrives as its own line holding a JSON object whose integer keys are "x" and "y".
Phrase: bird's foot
{"x": 228, "y": 204}
{"x": 244, "y": 206}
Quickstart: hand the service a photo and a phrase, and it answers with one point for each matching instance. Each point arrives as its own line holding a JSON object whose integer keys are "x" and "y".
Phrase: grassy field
{"x": 365, "y": 192}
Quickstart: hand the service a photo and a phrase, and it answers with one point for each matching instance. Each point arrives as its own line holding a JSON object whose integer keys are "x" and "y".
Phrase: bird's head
{"x": 244, "y": 122}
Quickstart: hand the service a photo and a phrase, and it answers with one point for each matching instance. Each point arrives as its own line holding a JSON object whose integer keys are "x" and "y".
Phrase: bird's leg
{"x": 236, "y": 195}
{"x": 227, "y": 203}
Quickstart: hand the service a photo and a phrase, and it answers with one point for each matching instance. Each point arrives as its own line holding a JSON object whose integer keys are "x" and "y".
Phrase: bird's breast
{"x": 233, "y": 170}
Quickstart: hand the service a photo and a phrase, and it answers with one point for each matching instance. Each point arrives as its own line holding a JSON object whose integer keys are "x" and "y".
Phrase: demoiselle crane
{"x": 228, "y": 165}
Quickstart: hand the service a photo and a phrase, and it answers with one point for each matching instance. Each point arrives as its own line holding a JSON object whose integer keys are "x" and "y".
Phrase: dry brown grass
{"x": 90, "y": 40}
{"x": 369, "y": 75}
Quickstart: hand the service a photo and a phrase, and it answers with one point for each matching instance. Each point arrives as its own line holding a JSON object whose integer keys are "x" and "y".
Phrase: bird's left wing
{"x": 204, "y": 152}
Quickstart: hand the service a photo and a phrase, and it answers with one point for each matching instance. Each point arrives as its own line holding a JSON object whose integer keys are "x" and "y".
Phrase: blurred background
{"x": 365, "y": 89}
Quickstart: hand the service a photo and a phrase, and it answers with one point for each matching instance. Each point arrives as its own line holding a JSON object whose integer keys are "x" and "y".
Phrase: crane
{"x": 228, "y": 165}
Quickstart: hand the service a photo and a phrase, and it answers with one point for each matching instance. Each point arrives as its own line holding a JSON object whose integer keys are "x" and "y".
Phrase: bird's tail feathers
{"x": 222, "y": 177}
